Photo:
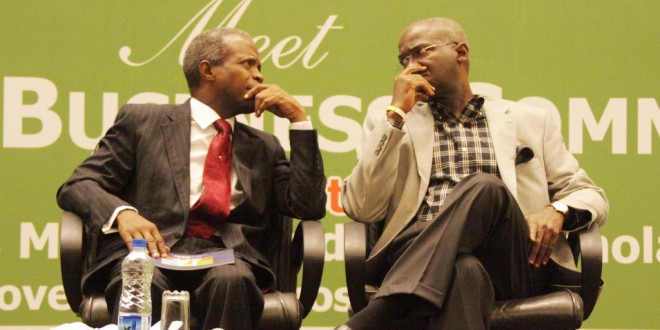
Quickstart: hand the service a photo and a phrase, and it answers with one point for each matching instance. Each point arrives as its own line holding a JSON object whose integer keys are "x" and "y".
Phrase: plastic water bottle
{"x": 135, "y": 304}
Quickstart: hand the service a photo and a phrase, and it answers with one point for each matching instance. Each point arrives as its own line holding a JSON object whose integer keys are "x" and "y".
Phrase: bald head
{"x": 444, "y": 28}
{"x": 437, "y": 50}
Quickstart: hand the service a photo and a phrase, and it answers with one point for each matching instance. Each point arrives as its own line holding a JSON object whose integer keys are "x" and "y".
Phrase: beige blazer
{"x": 394, "y": 168}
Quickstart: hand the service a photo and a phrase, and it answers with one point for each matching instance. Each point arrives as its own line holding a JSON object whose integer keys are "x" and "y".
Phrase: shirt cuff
{"x": 108, "y": 226}
{"x": 576, "y": 219}
{"x": 301, "y": 126}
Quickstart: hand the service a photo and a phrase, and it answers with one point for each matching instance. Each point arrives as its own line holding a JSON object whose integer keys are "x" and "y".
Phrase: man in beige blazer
{"x": 453, "y": 175}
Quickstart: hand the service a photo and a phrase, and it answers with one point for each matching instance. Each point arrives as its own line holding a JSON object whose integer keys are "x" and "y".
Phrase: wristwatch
{"x": 560, "y": 207}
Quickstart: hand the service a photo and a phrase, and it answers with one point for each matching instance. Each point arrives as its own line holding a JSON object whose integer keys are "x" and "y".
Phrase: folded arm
{"x": 368, "y": 189}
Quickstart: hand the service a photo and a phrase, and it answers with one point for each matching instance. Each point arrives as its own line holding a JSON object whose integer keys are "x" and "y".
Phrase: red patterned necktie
{"x": 213, "y": 205}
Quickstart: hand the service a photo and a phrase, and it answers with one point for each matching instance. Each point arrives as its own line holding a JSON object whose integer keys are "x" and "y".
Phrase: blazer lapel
{"x": 176, "y": 134}
{"x": 421, "y": 137}
{"x": 502, "y": 129}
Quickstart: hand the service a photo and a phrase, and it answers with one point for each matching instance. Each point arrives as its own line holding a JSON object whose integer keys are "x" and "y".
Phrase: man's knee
{"x": 230, "y": 276}
{"x": 467, "y": 264}
{"x": 484, "y": 180}
{"x": 474, "y": 281}
{"x": 487, "y": 186}
{"x": 470, "y": 270}
{"x": 470, "y": 299}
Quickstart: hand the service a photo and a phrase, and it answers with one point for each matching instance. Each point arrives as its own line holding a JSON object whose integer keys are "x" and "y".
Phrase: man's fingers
{"x": 535, "y": 242}
{"x": 532, "y": 231}
{"x": 264, "y": 102}
{"x": 258, "y": 111}
{"x": 427, "y": 89}
{"x": 263, "y": 99}
{"x": 152, "y": 246}
{"x": 162, "y": 248}
{"x": 535, "y": 250}
{"x": 551, "y": 247}
{"x": 128, "y": 240}
{"x": 144, "y": 229}
{"x": 254, "y": 91}
{"x": 544, "y": 230}
{"x": 129, "y": 237}
{"x": 157, "y": 248}
{"x": 278, "y": 102}
{"x": 414, "y": 69}
{"x": 543, "y": 249}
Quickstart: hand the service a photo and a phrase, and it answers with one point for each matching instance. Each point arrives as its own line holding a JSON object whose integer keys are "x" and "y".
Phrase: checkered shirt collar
{"x": 473, "y": 111}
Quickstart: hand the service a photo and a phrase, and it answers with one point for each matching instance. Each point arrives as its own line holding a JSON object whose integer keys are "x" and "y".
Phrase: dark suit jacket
{"x": 144, "y": 161}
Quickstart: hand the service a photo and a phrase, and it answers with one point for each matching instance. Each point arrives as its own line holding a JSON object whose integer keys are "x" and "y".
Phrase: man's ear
{"x": 206, "y": 70}
{"x": 462, "y": 52}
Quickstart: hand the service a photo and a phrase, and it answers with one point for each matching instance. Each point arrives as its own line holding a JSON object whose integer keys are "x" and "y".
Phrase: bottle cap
{"x": 139, "y": 242}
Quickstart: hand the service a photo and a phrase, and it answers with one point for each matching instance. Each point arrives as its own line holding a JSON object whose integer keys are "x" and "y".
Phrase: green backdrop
{"x": 67, "y": 66}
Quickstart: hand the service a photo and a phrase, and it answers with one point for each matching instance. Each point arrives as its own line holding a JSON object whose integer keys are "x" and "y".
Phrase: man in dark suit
{"x": 147, "y": 174}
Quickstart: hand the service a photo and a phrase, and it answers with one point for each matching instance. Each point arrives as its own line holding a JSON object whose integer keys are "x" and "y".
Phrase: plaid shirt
{"x": 461, "y": 146}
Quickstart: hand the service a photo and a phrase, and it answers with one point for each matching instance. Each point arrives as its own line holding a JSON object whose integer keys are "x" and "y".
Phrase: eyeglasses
{"x": 420, "y": 52}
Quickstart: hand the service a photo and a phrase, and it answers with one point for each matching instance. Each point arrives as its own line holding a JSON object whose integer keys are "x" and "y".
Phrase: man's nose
{"x": 256, "y": 75}
{"x": 412, "y": 60}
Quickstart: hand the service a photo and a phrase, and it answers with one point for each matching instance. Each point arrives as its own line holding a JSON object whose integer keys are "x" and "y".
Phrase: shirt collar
{"x": 204, "y": 116}
{"x": 473, "y": 111}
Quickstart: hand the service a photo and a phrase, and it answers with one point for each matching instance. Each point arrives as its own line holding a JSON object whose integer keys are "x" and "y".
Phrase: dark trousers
{"x": 226, "y": 296}
{"x": 479, "y": 238}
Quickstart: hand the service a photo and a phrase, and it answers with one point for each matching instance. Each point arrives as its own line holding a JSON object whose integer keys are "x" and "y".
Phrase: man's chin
{"x": 242, "y": 108}
{"x": 421, "y": 97}
{"x": 246, "y": 107}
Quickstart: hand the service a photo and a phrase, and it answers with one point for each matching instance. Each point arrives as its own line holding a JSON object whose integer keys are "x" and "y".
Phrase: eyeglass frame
{"x": 419, "y": 52}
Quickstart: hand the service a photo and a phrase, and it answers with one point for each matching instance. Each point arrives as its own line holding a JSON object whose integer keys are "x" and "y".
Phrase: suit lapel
{"x": 245, "y": 154}
{"x": 176, "y": 134}
{"x": 502, "y": 128}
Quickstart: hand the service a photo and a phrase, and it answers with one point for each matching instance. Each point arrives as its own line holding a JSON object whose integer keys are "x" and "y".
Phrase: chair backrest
{"x": 90, "y": 306}
{"x": 71, "y": 250}
{"x": 277, "y": 249}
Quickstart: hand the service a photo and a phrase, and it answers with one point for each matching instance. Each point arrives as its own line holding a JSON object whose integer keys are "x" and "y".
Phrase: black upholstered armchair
{"x": 564, "y": 306}
{"x": 282, "y": 309}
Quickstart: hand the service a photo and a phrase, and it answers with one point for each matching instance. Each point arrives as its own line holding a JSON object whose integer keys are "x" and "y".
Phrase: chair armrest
{"x": 355, "y": 254}
{"x": 556, "y": 310}
{"x": 308, "y": 251}
{"x": 587, "y": 244}
{"x": 71, "y": 246}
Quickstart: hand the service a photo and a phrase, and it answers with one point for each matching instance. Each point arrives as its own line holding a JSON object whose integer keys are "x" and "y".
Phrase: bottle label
{"x": 134, "y": 322}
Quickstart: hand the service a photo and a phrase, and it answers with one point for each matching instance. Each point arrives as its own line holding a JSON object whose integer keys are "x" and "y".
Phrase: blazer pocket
{"x": 534, "y": 163}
